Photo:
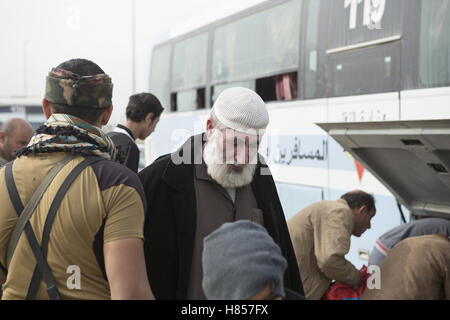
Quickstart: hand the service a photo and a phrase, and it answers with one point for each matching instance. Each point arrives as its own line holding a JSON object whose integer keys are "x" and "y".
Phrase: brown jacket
{"x": 417, "y": 268}
{"x": 214, "y": 208}
{"x": 321, "y": 235}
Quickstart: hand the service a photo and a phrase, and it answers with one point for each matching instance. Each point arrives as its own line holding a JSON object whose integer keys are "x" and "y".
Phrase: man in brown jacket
{"x": 321, "y": 236}
{"x": 417, "y": 268}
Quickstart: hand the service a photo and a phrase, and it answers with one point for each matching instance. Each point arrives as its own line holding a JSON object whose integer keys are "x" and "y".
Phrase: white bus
{"x": 312, "y": 61}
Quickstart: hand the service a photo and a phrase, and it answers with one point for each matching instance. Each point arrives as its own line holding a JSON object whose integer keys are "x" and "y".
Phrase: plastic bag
{"x": 341, "y": 291}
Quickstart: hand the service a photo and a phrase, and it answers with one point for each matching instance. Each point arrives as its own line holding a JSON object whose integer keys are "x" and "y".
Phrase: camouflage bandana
{"x": 68, "y": 88}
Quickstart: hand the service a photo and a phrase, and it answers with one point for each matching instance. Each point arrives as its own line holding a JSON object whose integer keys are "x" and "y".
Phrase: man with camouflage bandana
{"x": 94, "y": 249}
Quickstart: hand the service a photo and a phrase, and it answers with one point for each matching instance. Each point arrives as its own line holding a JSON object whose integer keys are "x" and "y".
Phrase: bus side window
{"x": 278, "y": 88}
{"x": 188, "y": 100}
{"x": 262, "y": 50}
{"x": 282, "y": 87}
{"x": 189, "y": 73}
{"x": 365, "y": 71}
{"x": 434, "y": 54}
{"x": 217, "y": 89}
{"x": 173, "y": 102}
{"x": 315, "y": 44}
{"x": 160, "y": 74}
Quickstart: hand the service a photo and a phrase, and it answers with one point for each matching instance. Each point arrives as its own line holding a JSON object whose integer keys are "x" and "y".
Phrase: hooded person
{"x": 242, "y": 262}
{"x": 214, "y": 178}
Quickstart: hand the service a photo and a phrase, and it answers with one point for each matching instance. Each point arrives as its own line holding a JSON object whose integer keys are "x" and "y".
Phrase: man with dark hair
{"x": 68, "y": 189}
{"x": 14, "y": 135}
{"x": 143, "y": 112}
{"x": 321, "y": 236}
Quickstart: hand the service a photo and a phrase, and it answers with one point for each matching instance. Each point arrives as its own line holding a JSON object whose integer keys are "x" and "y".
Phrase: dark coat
{"x": 171, "y": 221}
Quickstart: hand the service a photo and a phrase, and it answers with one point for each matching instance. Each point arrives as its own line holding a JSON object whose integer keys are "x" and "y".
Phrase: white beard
{"x": 225, "y": 176}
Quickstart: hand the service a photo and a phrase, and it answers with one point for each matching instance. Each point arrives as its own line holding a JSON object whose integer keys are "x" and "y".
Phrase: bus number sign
{"x": 372, "y": 15}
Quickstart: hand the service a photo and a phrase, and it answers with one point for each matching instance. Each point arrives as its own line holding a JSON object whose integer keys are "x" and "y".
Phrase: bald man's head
{"x": 14, "y": 135}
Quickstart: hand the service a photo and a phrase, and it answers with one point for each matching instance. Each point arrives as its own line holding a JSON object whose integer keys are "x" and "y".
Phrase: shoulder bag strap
{"x": 25, "y": 215}
{"x": 37, "y": 274}
{"x": 18, "y": 206}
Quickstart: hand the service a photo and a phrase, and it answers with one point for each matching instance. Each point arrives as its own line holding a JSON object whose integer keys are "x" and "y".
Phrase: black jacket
{"x": 171, "y": 221}
{"x": 128, "y": 150}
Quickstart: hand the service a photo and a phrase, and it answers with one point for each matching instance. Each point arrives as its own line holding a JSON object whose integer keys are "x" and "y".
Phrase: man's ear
{"x": 106, "y": 115}
{"x": 209, "y": 128}
{"x": 149, "y": 117}
{"x": 2, "y": 137}
{"x": 362, "y": 209}
{"x": 46, "y": 108}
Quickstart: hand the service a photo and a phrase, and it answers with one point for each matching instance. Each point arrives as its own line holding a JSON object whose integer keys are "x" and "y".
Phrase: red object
{"x": 341, "y": 291}
{"x": 359, "y": 170}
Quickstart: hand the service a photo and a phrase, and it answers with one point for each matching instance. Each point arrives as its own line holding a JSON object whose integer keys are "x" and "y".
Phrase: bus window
{"x": 260, "y": 45}
{"x": 281, "y": 87}
{"x": 188, "y": 100}
{"x": 278, "y": 88}
{"x": 315, "y": 46}
{"x": 189, "y": 63}
{"x": 434, "y": 54}
{"x": 160, "y": 74}
{"x": 364, "y": 71}
{"x": 217, "y": 89}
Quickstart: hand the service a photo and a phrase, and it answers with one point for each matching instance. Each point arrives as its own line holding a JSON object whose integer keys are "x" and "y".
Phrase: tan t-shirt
{"x": 105, "y": 203}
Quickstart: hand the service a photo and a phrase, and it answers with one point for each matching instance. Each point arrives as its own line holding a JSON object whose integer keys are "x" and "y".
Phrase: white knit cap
{"x": 241, "y": 109}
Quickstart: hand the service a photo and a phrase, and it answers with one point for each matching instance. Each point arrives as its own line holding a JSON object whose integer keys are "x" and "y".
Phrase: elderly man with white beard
{"x": 214, "y": 178}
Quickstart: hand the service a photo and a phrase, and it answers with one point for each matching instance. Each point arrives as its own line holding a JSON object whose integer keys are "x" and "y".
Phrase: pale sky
{"x": 36, "y": 35}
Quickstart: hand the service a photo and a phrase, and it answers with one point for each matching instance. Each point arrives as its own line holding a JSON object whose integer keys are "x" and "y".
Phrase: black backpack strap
{"x": 12, "y": 189}
{"x": 18, "y": 206}
{"x": 37, "y": 274}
